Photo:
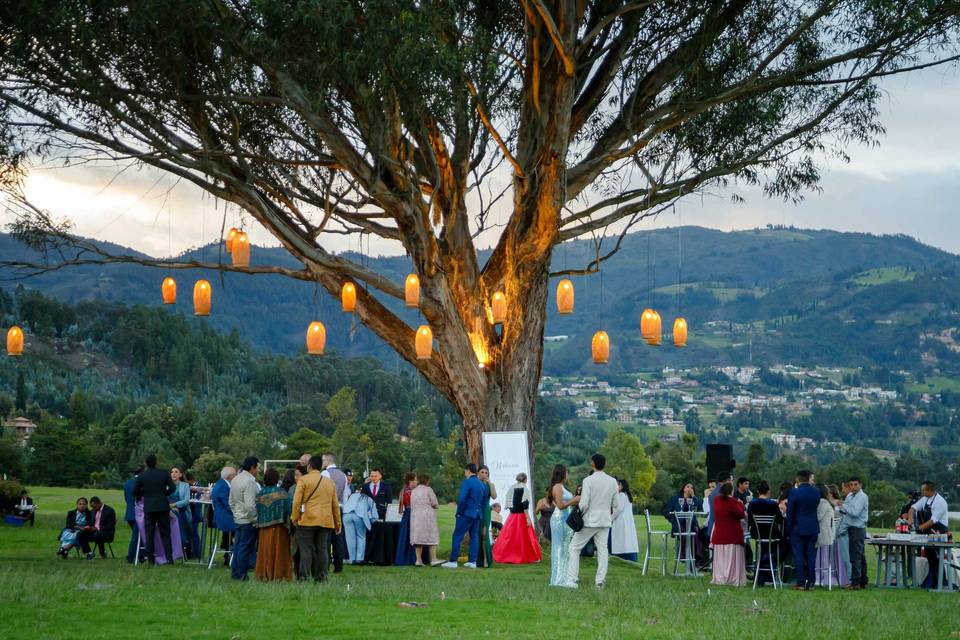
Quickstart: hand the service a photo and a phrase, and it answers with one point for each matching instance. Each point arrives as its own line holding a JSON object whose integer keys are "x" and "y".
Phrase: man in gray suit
{"x": 597, "y": 502}
{"x": 337, "y": 540}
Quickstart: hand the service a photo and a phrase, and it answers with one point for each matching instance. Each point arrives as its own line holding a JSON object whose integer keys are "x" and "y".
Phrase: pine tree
{"x": 21, "y": 401}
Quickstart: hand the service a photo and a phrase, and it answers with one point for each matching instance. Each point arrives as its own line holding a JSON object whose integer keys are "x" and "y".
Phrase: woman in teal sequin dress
{"x": 560, "y": 533}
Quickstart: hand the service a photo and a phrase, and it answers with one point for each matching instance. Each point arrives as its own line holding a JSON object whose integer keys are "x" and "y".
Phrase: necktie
{"x": 376, "y": 486}
{"x": 96, "y": 523}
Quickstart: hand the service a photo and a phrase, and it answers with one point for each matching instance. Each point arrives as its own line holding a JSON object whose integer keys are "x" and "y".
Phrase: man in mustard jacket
{"x": 316, "y": 514}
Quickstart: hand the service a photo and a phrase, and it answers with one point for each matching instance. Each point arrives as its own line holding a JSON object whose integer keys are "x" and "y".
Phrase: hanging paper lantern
{"x": 241, "y": 250}
{"x": 646, "y": 323}
{"x": 601, "y": 347}
{"x": 656, "y": 330}
{"x": 316, "y": 338}
{"x": 412, "y": 290}
{"x": 169, "y": 290}
{"x": 231, "y": 236}
{"x": 15, "y": 341}
{"x": 348, "y": 296}
{"x": 424, "y": 342}
{"x": 565, "y": 297}
{"x": 499, "y": 307}
{"x": 201, "y": 298}
{"x": 680, "y": 332}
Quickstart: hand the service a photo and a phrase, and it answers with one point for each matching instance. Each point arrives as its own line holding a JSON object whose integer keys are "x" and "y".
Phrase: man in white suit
{"x": 597, "y": 502}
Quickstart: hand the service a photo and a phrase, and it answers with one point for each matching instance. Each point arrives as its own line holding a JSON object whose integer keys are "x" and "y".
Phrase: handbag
{"x": 575, "y": 519}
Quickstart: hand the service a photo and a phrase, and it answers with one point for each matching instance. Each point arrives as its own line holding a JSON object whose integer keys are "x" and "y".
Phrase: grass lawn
{"x": 42, "y": 596}
{"x": 935, "y": 384}
{"x": 882, "y": 275}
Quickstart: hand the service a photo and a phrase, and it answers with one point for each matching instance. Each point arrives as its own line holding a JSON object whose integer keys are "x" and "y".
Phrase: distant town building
{"x": 23, "y": 427}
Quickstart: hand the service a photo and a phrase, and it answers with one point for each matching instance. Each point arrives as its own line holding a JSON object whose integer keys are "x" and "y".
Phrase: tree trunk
{"x": 508, "y": 402}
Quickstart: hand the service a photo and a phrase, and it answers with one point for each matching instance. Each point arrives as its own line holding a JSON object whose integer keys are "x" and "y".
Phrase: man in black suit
{"x": 154, "y": 485}
{"x": 24, "y": 508}
{"x": 104, "y": 527}
{"x": 379, "y": 491}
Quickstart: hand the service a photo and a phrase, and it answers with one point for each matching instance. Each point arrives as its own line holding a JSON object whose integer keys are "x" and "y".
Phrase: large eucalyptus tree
{"x": 395, "y": 117}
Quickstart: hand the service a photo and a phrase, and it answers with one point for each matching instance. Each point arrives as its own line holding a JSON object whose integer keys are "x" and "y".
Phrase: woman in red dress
{"x": 517, "y": 543}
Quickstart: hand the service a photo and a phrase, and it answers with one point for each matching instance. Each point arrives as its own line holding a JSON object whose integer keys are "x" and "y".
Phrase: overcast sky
{"x": 909, "y": 184}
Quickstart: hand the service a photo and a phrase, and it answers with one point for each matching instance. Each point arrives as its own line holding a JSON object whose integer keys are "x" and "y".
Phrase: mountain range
{"x": 761, "y": 296}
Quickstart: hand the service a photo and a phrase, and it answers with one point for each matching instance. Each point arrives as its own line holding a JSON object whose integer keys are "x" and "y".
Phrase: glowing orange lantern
{"x": 499, "y": 307}
{"x": 424, "y": 342}
{"x": 15, "y": 341}
{"x": 316, "y": 338}
{"x": 348, "y": 296}
{"x": 680, "y": 332}
{"x": 201, "y": 298}
{"x": 565, "y": 297}
{"x": 656, "y": 330}
{"x": 647, "y": 330}
{"x": 241, "y": 250}
{"x": 601, "y": 347}
{"x": 412, "y": 290}
{"x": 169, "y": 290}
{"x": 231, "y": 236}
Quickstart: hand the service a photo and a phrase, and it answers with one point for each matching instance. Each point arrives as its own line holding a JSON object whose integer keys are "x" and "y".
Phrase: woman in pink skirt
{"x": 729, "y": 566}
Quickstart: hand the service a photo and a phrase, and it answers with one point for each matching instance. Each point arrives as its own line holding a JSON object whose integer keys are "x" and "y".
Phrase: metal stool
{"x": 685, "y": 545}
{"x": 772, "y": 544}
{"x": 647, "y": 557}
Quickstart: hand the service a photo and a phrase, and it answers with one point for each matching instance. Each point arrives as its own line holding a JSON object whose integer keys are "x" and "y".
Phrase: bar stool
{"x": 766, "y": 529}
{"x": 647, "y": 556}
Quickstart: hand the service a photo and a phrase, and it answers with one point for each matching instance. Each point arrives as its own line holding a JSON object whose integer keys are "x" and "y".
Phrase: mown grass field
{"x": 42, "y": 596}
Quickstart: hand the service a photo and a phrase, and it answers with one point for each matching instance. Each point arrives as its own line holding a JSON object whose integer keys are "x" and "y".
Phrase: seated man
{"x": 104, "y": 527}
{"x": 25, "y": 508}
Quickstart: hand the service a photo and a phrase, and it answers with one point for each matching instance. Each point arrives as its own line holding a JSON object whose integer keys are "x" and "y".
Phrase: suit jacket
{"x": 382, "y": 499}
{"x": 318, "y": 497}
{"x": 130, "y": 515}
{"x": 222, "y": 516}
{"x": 765, "y": 507}
{"x": 108, "y": 522}
{"x": 154, "y": 485}
{"x": 471, "y": 501}
{"x": 802, "y": 503}
{"x": 598, "y": 500}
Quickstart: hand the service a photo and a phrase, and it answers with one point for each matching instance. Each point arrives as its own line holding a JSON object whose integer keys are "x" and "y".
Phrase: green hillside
{"x": 776, "y": 295}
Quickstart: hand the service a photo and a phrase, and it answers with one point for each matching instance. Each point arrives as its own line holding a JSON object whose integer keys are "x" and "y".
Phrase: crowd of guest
{"x": 296, "y": 525}
{"x": 814, "y": 535}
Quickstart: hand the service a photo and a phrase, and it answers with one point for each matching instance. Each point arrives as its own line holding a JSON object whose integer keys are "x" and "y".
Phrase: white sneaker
{"x": 470, "y": 565}
{"x": 449, "y": 565}
{"x": 569, "y": 585}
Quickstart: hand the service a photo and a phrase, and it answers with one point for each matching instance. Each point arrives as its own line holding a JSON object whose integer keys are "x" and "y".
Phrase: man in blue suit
{"x": 470, "y": 505}
{"x": 802, "y": 502}
{"x": 130, "y": 514}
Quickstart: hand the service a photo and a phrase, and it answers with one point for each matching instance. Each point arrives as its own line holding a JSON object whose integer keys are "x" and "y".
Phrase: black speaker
{"x": 719, "y": 460}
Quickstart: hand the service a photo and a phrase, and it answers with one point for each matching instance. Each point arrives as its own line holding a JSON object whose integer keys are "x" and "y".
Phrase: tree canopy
{"x": 415, "y": 121}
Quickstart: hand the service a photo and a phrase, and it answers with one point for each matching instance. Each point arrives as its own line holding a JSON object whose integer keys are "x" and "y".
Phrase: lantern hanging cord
{"x": 679, "y": 262}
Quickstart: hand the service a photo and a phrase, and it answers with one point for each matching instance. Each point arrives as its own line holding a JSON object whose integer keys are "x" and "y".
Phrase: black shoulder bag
{"x": 575, "y": 519}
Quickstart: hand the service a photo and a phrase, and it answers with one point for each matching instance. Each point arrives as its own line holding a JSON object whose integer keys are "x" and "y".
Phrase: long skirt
{"x": 729, "y": 565}
{"x": 273, "y": 556}
{"x": 159, "y": 554}
{"x": 517, "y": 543}
{"x": 830, "y": 570}
{"x": 406, "y": 555}
{"x": 560, "y": 536}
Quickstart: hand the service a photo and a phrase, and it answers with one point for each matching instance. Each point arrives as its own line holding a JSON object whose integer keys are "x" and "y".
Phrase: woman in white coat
{"x": 623, "y": 533}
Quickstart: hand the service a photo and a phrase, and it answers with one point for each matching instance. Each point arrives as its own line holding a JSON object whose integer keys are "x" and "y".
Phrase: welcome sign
{"x": 507, "y": 453}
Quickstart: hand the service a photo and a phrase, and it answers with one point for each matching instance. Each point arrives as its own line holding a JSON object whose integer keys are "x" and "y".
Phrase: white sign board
{"x": 507, "y": 453}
